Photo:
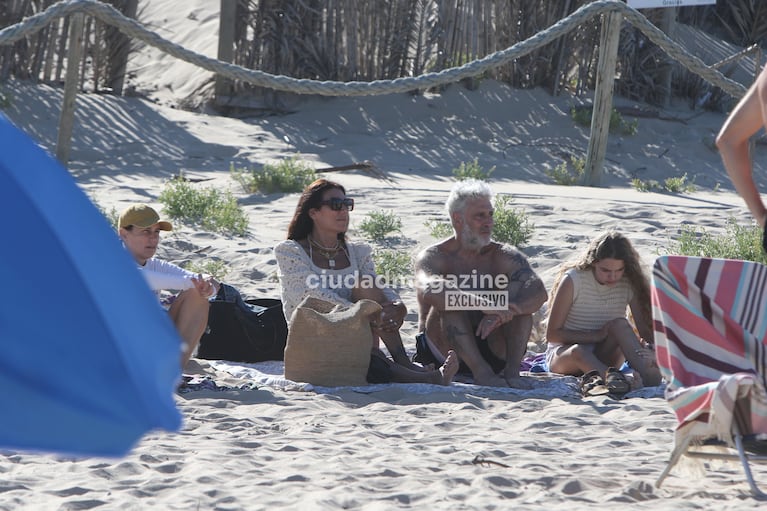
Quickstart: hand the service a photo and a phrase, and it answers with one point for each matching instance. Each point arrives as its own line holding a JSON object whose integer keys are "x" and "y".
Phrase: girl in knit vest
{"x": 589, "y": 332}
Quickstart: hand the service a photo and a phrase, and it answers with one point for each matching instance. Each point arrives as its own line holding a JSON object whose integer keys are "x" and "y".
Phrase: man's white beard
{"x": 474, "y": 240}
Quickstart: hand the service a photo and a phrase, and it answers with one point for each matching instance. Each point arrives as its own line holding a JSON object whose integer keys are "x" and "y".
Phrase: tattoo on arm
{"x": 452, "y": 333}
{"x": 526, "y": 276}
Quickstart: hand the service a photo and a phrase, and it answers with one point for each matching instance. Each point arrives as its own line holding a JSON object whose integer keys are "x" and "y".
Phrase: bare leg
{"x": 640, "y": 358}
{"x": 442, "y": 376}
{"x": 577, "y": 359}
{"x": 510, "y": 344}
{"x": 189, "y": 312}
{"x": 390, "y": 337}
{"x": 459, "y": 336}
{"x": 748, "y": 117}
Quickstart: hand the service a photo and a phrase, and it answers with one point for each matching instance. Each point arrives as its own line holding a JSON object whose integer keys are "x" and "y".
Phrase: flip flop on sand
{"x": 592, "y": 384}
{"x": 617, "y": 383}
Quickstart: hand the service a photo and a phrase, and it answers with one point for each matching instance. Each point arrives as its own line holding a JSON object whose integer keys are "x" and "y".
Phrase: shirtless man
{"x": 461, "y": 285}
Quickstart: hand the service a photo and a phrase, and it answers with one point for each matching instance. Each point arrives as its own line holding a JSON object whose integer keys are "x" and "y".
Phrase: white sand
{"x": 392, "y": 447}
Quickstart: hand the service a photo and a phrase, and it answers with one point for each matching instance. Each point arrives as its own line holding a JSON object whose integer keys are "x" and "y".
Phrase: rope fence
{"x": 109, "y": 15}
{"x": 613, "y": 13}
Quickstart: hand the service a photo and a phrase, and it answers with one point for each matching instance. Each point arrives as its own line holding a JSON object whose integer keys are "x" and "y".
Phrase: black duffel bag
{"x": 240, "y": 330}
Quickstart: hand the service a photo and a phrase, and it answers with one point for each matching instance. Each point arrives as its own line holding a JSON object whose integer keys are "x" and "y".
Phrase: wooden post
{"x": 67, "y": 119}
{"x": 119, "y": 50}
{"x": 668, "y": 25}
{"x": 603, "y": 97}
{"x": 223, "y": 87}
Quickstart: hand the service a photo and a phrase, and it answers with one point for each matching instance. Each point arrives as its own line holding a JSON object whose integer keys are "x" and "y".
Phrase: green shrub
{"x": 510, "y": 226}
{"x": 289, "y": 175}
{"x": 393, "y": 265}
{"x": 670, "y": 185}
{"x": 472, "y": 170}
{"x": 207, "y": 207}
{"x": 582, "y": 117}
{"x": 379, "y": 223}
{"x": 742, "y": 242}
{"x": 678, "y": 184}
{"x": 215, "y": 267}
{"x": 439, "y": 229}
{"x": 112, "y": 216}
{"x": 563, "y": 175}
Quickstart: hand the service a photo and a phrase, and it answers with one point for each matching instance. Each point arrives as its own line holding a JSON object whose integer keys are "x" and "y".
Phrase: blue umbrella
{"x": 89, "y": 361}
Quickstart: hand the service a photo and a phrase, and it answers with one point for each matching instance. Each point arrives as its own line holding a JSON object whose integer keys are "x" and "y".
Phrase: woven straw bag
{"x": 328, "y": 344}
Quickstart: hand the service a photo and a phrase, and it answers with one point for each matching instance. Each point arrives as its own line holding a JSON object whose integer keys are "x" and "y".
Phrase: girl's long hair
{"x": 301, "y": 225}
{"x": 612, "y": 245}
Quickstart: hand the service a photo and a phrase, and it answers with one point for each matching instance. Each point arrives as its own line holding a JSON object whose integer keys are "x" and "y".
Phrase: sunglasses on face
{"x": 337, "y": 204}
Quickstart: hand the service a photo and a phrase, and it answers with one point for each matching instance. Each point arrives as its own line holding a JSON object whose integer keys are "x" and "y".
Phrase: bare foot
{"x": 449, "y": 368}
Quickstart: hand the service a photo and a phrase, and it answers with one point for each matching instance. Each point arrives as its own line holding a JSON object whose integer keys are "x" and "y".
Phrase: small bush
{"x": 393, "y": 265}
{"x": 208, "y": 207}
{"x": 289, "y": 175}
{"x": 743, "y": 242}
{"x": 214, "y": 267}
{"x": 670, "y": 185}
{"x": 472, "y": 170}
{"x": 439, "y": 229}
{"x": 582, "y": 117}
{"x": 112, "y": 216}
{"x": 510, "y": 226}
{"x": 380, "y": 223}
{"x": 563, "y": 175}
{"x": 678, "y": 184}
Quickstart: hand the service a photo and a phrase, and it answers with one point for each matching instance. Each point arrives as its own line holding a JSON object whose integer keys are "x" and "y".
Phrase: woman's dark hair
{"x": 301, "y": 225}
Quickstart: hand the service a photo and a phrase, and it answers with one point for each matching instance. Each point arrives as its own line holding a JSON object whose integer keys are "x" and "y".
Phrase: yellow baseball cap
{"x": 143, "y": 216}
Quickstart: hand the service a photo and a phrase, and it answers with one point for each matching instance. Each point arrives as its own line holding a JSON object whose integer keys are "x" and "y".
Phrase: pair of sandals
{"x": 613, "y": 384}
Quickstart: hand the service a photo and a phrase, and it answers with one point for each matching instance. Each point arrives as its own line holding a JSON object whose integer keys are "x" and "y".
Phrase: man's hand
{"x": 494, "y": 318}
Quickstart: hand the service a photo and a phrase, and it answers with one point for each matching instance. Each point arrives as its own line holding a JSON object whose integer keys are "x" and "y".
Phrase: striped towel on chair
{"x": 710, "y": 322}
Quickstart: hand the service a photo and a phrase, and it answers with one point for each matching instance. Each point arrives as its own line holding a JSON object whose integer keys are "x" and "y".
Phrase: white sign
{"x": 645, "y": 4}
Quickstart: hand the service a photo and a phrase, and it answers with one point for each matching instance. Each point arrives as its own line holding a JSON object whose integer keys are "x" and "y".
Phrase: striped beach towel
{"x": 710, "y": 321}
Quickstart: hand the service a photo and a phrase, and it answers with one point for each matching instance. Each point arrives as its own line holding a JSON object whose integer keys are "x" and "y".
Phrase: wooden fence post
{"x": 118, "y": 51}
{"x": 603, "y": 97}
{"x": 71, "y": 83}
{"x": 223, "y": 86}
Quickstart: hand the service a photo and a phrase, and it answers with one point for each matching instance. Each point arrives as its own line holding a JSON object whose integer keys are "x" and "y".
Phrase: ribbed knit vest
{"x": 595, "y": 304}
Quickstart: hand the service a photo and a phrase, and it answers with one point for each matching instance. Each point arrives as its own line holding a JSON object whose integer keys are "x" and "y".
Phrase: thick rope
{"x": 109, "y": 15}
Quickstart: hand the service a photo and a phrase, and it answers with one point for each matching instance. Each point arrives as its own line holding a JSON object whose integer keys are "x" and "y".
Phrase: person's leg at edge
{"x": 513, "y": 337}
{"x": 391, "y": 339}
{"x": 640, "y": 358}
{"x": 189, "y": 312}
{"x": 453, "y": 330}
{"x": 442, "y": 376}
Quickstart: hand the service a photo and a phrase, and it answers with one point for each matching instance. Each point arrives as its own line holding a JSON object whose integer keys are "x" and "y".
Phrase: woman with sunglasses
{"x": 318, "y": 260}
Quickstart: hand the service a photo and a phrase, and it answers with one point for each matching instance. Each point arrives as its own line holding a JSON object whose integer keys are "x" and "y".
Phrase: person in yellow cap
{"x": 139, "y": 228}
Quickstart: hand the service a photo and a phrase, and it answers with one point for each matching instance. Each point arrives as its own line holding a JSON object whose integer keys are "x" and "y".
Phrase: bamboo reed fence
{"x": 365, "y": 40}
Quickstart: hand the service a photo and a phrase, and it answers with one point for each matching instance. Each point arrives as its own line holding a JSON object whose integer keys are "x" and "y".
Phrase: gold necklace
{"x": 328, "y": 253}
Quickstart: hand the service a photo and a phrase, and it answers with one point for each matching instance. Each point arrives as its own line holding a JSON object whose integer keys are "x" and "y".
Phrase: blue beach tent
{"x": 89, "y": 361}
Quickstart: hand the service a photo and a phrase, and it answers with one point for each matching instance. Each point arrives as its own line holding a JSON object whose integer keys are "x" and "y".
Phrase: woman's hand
{"x": 392, "y": 316}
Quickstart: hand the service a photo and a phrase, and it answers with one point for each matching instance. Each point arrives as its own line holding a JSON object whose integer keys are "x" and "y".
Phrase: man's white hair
{"x": 464, "y": 191}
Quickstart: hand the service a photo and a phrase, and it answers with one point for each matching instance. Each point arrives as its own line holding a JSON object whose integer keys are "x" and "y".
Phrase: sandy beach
{"x": 252, "y": 440}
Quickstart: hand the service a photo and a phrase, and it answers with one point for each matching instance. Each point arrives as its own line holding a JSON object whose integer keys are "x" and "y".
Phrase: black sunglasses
{"x": 337, "y": 204}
